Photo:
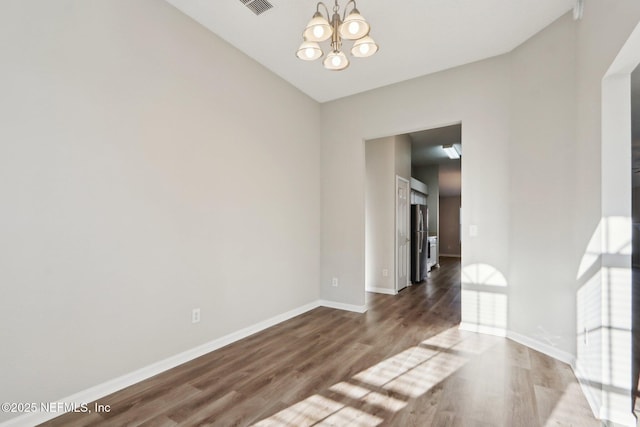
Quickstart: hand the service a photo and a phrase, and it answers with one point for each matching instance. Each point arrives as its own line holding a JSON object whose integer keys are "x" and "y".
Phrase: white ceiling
{"x": 416, "y": 37}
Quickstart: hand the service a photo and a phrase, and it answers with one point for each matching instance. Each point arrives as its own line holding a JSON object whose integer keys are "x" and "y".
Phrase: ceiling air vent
{"x": 257, "y": 6}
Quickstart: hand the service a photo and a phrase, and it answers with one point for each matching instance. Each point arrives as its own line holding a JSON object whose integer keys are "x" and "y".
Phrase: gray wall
{"x": 385, "y": 158}
{"x": 449, "y": 218}
{"x": 542, "y": 179}
{"x": 380, "y": 213}
{"x": 403, "y": 156}
{"x": 134, "y": 189}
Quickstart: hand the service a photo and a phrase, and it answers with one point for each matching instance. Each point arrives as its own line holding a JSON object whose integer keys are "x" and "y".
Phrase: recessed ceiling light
{"x": 452, "y": 151}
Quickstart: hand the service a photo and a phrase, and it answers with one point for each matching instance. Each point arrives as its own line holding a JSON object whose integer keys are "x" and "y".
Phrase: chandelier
{"x": 349, "y": 27}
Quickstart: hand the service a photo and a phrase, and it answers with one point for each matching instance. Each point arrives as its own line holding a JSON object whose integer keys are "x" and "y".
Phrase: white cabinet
{"x": 432, "y": 260}
{"x": 418, "y": 192}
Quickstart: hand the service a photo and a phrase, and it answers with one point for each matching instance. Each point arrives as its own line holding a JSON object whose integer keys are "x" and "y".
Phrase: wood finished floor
{"x": 403, "y": 363}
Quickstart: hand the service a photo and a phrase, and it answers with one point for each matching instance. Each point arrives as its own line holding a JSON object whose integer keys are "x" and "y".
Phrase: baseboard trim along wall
{"x": 560, "y": 355}
{"x": 451, "y": 255}
{"x": 124, "y": 381}
{"x": 587, "y": 389}
{"x": 481, "y": 329}
{"x": 543, "y": 348}
{"x": 345, "y": 307}
{"x": 385, "y": 291}
{"x": 579, "y": 371}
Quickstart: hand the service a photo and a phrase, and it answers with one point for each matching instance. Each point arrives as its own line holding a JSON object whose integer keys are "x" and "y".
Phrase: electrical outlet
{"x": 195, "y": 315}
{"x": 334, "y": 282}
{"x": 385, "y": 272}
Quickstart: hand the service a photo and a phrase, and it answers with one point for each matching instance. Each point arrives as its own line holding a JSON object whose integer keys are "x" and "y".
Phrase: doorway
{"x": 441, "y": 171}
{"x": 404, "y": 170}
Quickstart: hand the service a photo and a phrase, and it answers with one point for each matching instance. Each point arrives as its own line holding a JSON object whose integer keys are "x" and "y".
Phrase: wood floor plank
{"x": 403, "y": 363}
{"x": 159, "y": 421}
{"x": 521, "y": 408}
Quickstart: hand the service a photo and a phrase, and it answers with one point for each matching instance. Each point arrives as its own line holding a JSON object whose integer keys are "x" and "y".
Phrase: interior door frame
{"x": 395, "y": 239}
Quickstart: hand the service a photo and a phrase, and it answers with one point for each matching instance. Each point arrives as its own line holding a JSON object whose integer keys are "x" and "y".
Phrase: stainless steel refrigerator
{"x": 419, "y": 242}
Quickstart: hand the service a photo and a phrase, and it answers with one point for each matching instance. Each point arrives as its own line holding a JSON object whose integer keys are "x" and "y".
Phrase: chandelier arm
{"x": 344, "y": 12}
{"x": 325, "y": 8}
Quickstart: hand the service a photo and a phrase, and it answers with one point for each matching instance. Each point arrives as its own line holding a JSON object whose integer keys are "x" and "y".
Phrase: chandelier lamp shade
{"x": 349, "y": 26}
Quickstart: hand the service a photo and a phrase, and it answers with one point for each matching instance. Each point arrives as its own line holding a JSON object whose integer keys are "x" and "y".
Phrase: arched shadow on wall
{"x": 484, "y": 300}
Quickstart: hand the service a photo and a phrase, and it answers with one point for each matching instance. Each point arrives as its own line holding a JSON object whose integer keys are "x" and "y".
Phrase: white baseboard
{"x": 550, "y": 351}
{"x": 499, "y": 332}
{"x": 582, "y": 375}
{"x": 622, "y": 418}
{"x": 116, "y": 384}
{"x": 342, "y": 306}
{"x": 618, "y": 418}
{"x": 386, "y": 291}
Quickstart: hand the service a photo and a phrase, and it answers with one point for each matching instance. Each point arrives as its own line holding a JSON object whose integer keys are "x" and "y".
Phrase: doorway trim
{"x": 608, "y": 402}
{"x": 397, "y": 228}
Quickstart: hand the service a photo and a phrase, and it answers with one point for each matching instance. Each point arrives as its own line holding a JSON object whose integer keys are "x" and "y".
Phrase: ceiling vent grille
{"x": 257, "y": 6}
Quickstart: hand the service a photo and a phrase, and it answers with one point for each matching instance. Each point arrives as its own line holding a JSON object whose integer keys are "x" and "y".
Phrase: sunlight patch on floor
{"x": 351, "y": 417}
{"x": 355, "y": 392}
{"x": 350, "y": 390}
{"x": 565, "y": 408}
{"x": 388, "y": 369}
{"x": 422, "y": 378}
{"x": 445, "y": 339}
{"x": 411, "y": 373}
{"x": 303, "y": 414}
